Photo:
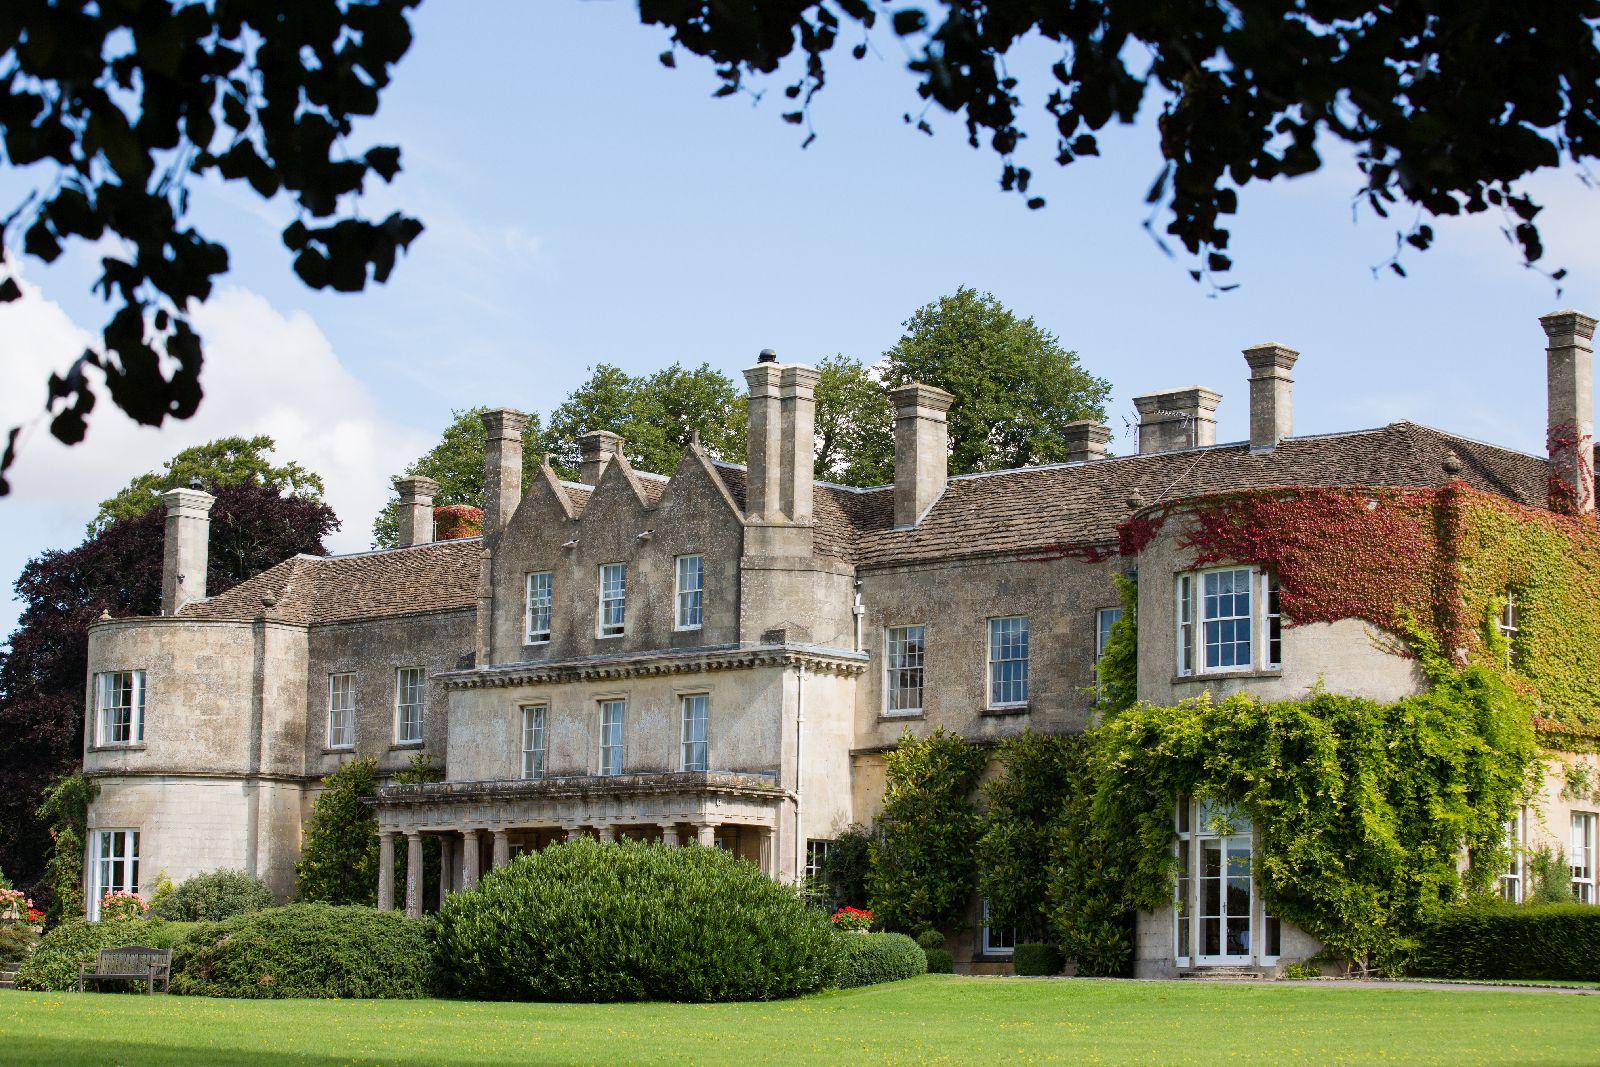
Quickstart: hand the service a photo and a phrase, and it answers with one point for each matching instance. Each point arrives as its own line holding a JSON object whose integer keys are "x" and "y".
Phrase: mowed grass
{"x": 933, "y": 1020}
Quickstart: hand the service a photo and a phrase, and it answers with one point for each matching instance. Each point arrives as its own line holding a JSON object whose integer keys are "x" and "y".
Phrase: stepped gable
{"x": 441, "y": 576}
{"x": 1081, "y": 503}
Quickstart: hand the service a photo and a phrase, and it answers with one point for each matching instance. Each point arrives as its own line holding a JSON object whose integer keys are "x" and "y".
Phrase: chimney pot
{"x": 186, "y": 553}
{"x": 1086, "y": 440}
{"x": 767, "y": 356}
{"x": 1569, "y": 428}
{"x": 597, "y": 448}
{"x": 1271, "y": 393}
{"x": 1175, "y": 419}
{"x": 416, "y": 509}
{"x": 921, "y": 449}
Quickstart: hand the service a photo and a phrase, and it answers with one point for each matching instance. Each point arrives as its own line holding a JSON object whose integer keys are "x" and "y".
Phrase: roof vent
{"x": 767, "y": 356}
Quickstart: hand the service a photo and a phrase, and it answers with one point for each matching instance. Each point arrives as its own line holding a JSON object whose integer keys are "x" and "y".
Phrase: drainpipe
{"x": 799, "y": 742}
{"x": 858, "y": 609}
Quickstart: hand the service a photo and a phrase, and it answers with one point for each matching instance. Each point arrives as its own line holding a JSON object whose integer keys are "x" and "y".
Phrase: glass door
{"x": 1226, "y": 904}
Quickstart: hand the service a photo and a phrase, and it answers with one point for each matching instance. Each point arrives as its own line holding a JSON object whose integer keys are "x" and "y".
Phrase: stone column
{"x": 705, "y": 833}
{"x": 447, "y": 865}
{"x": 469, "y": 860}
{"x": 385, "y": 871}
{"x": 669, "y": 834}
{"x": 768, "y": 854}
{"x": 502, "y": 848}
{"x": 607, "y": 835}
{"x": 413, "y": 874}
{"x": 572, "y": 832}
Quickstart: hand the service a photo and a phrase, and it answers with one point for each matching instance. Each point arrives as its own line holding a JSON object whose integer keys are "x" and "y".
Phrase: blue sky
{"x": 585, "y": 204}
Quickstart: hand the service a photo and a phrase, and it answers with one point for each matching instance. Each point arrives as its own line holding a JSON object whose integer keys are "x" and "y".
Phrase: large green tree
{"x": 855, "y": 425}
{"x": 226, "y": 461}
{"x": 1015, "y": 387}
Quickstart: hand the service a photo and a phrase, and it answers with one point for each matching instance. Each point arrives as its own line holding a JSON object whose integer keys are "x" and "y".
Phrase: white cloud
{"x": 265, "y": 372}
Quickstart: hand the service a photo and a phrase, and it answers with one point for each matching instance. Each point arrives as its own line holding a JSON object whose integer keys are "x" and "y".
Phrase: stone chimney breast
{"x": 187, "y": 552}
{"x": 416, "y": 509}
{"x": 1569, "y": 427}
{"x": 921, "y": 449}
{"x": 502, "y": 468}
{"x": 1175, "y": 419}
{"x": 1086, "y": 440}
{"x": 597, "y": 447}
{"x": 1271, "y": 394}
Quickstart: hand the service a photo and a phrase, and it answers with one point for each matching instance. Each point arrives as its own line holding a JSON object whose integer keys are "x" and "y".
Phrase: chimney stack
{"x": 416, "y": 509}
{"x": 1086, "y": 440}
{"x": 188, "y": 548}
{"x": 781, "y": 453}
{"x": 1570, "y": 427}
{"x": 502, "y": 468}
{"x": 1271, "y": 394}
{"x": 1175, "y": 419}
{"x": 921, "y": 449}
{"x": 597, "y": 447}
{"x": 765, "y": 440}
{"x": 797, "y": 412}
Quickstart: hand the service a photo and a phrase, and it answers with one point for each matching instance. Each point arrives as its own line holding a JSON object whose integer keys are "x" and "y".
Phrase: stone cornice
{"x": 646, "y": 664}
{"x": 587, "y": 786}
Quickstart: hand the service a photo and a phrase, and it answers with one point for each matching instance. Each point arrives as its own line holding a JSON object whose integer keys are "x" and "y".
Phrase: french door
{"x": 1226, "y": 901}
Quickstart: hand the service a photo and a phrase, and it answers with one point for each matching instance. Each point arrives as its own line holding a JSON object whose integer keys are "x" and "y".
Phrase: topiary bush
{"x": 873, "y": 958}
{"x": 940, "y": 961}
{"x": 1035, "y": 960}
{"x": 56, "y": 958}
{"x": 582, "y": 921}
{"x": 1558, "y": 941}
{"x": 213, "y": 897}
{"x": 307, "y": 950}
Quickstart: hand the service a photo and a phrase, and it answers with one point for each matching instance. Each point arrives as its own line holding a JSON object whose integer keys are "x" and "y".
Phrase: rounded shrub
{"x": 582, "y": 921}
{"x": 213, "y": 897}
{"x": 1037, "y": 960}
{"x": 940, "y": 961}
{"x": 873, "y": 958}
{"x": 54, "y": 961}
{"x": 307, "y": 950}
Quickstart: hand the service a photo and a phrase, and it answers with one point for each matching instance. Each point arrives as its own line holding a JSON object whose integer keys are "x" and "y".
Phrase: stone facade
{"x": 722, "y": 655}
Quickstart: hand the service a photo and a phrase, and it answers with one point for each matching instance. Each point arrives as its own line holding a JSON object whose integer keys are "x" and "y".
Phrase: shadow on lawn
{"x": 20, "y": 1050}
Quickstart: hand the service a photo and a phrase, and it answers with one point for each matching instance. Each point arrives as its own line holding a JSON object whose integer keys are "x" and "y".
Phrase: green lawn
{"x": 936, "y": 1019}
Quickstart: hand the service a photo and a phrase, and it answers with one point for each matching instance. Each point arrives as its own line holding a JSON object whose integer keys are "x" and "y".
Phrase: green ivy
{"x": 1118, "y": 669}
{"x": 923, "y": 863}
{"x": 66, "y": 809}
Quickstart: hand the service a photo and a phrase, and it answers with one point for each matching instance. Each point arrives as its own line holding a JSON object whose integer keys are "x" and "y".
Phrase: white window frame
{"x": 539, "y": 601}
{"x": 132, "y": 726}
{"x": 994, "y": 943}
{"x": 110, "y": 871}
{"x": 612, "y": 592}
{"x": 905, "y": 659}
{"x": 817, "y": 849}
{"x": 1509, "y": 623}
{"x": 689, "y": 592}
{"x": 409, "y": 681}
{"x": 992, "y": 680}
{"x": 1262, "y": 616}
{"x": 695, "y": 751}
{"x": 1104, "y": 620}
{"x": 1581, "y": 856}
{"x": 342, "y": 731}
{"x": 1514, "y": 880}
{"x": 612, "y": 734}
{"x": 534, "y": 740}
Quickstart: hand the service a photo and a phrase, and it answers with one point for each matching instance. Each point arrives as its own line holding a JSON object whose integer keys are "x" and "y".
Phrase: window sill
{"x": 1008, "y": 709}
{"x": 118, "y": 746}
{"x": 901, "y": 716}
{"x": 398, "y": 746}
{"x": 536, "y": 641}
{"x": 339, "y": 750}
{"x": 687, "y": 629}
{"x": 1213, "y": 676}
{"x": 609, "y": 637}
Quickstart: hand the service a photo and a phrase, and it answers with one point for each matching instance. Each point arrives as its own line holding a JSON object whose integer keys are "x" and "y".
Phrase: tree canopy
{"x": 116, "y": 570}
{"x": 224, "y": 462}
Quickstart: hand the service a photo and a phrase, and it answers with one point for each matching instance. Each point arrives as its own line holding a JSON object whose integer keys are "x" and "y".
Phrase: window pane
{"x": 1008, "y": 661}
{"x": 120, "y": 696}
{"x": 1105, "y": 618}
{"x": 341, "y": 710}
{"x": 695, "y": 720}
{"x": 538, "y": 607}
{"x": 1226, "y": 618}
{"x": 613, "y": 598}
{"x": 408, "y": 704}
{"x": 904, "y": 659}
{"x": 691, "y": 586}
{"x": 533, "y": 747}
{"x": 611, "y": 716}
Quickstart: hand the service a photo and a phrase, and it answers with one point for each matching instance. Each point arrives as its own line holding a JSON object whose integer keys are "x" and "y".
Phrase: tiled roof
{"x": 1007, "y": 511}
{"x": 441, "y": 576}
{"x": 1083, "y": 502}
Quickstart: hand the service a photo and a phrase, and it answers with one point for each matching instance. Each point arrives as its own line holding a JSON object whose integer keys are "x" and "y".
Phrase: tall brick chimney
{"x": 416, "y": 509}
{"x": 187, "y": 551}
{"x": 1569, "y": 430}
{"x": 1177, "y": 418}
{"x": 921, "y": 449}
{"x": 597, "y": 447}
{"x": 1271, "y": 394}
{"x": 502, "y": 468}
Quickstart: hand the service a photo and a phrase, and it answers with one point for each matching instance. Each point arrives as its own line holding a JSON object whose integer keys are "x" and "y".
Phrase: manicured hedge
{"x": 213, "y": 897}
{"x": 55, "y": 960}
{"x": 940, "y": 961}
{"x": 1037, "y": 960}
{"x": 1557, "y": 941}
{"x": 307, "y": 950}
{"x": 582, "y": 921}
{"x": 873, "y": 958}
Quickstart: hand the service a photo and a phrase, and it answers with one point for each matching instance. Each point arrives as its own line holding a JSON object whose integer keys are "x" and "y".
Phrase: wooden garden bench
{"x": 135, "y": 963}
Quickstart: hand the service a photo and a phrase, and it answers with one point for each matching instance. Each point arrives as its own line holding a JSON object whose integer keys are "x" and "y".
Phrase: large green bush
{"x": 339, "y": 859}
{"x": 1559, "y": 941}
{"x": 940, "y": 961}
{"x": 1036, "y": 960}
{"x": 873, "y": 958}
{"x": 582, "y": 921}
{"x": 55, "y": 960}
{"x": 307, "y": 950}
{"x": 214, "y": 896}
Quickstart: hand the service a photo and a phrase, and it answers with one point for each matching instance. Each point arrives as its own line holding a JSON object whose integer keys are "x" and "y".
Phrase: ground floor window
{"x": 1581, "y": 856}
{"x": 1513, "y": 880}
{"x": 997, "y": 940}
{"x": 113, "y": 865}
{"x": 1218, "y": 916}
{"x": 816, "y": 856}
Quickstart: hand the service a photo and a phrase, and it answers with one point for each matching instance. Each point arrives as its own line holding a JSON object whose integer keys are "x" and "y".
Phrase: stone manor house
{"x": 724, "y": 655}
